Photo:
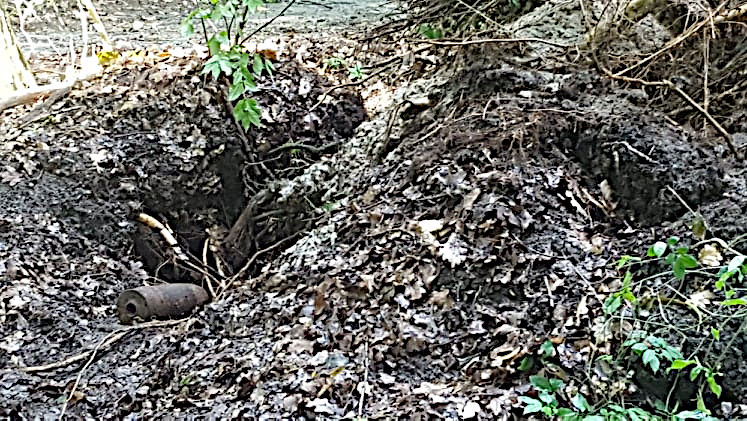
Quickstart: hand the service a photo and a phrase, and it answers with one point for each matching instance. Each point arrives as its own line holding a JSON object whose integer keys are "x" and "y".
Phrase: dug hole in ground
{"x": 463, "y": 211}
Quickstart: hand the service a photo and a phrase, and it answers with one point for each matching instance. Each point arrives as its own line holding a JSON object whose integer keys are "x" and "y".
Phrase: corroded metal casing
{"x": 159, "y": 301}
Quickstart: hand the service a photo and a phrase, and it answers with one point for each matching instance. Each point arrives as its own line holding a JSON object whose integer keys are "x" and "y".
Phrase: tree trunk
{"x": 15, "y": 74}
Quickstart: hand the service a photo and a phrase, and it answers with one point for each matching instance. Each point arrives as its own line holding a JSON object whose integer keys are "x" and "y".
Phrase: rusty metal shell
{"x": 159, "y": 301}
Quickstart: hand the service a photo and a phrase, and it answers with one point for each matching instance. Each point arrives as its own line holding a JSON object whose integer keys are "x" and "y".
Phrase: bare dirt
{"x": 437, "y": 238}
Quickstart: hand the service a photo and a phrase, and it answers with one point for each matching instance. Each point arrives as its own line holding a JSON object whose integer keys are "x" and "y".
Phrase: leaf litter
{"x": 482, "y": 228}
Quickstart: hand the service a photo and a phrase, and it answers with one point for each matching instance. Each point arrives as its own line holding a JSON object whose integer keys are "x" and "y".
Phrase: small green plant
{"x": 697, "y": 369}
{"x": 336, "y": 63}
{"x": 652, "y": 349}
{"x": 711, "y": 311}
{"x": 547, "y": 405}
{"x": 356, "y": 72}
{"x": 228, "y": 56}
{"x": 430, "y": 32}
{"x": 678, "y": 257}
{"x": 615, "y": 300}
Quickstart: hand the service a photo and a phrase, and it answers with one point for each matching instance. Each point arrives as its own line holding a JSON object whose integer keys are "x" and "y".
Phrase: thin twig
{"x": 671, "y": 190}
{"x": 266, "y": 24}
{"x": 673, "y": 43}
{"x": 313, "y": 149}
{"x": 108, "y": 339}
{"x": 254, "y": 257}
{"x": 365, "y": 383}
{"x": 633, "y": 150}
{"x": 84, "y": 355}
{"x": 490, "y": 41}
{"x": 345, "y": 85}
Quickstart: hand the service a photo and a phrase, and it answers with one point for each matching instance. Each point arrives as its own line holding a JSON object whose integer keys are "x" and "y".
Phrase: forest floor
{"x": 448, "y": 227}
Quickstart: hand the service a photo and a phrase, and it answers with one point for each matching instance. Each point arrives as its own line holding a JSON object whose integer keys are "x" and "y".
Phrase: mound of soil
{"x": 408, "y": 271}
{"x": 148, "y": 136}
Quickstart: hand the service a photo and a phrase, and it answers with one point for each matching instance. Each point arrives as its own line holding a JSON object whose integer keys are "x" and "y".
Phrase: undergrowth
{"x": 671, "y": 324}
{"x": 224, "y": 27}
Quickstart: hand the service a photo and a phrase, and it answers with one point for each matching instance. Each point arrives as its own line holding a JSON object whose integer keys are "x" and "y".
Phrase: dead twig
{"x": 346, "y": 85}
{"x": 313, "y": 149}
{"x": 490, "y": 41}
{"x": 269, "y": 22}
{"x": 633, "y": 150}
{"x": 669, "y": 84}
{"x": 108, "y": 340}
{"x": 714, "y": 18}
{"x": 387, "y": 134}
{"x": 254, "y": 257}
{"x": 33, "y": 94}
{"x": 362, "y": 387}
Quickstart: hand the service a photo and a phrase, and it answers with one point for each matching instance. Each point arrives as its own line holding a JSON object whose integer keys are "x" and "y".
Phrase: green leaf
{"x": 539, "y": 382}
{"x": 542, "y": 383}
{"x": 612, "y": 303}
{"x": 682, "y": 250}
{"x": 531, "y": 405}
{"x": 734, "y": 302}
{"x": 269, "y": 67}
{"x": 430, "y": 32}
{"x": 526, "y": 364}
{"x": 247, "y": 112}
{"x": 579, "y": 401}
{"x": 187, "y": 28}
{"x": 715, "y": 387}
{"x": 658, "y": 249}
{"x": 671, "y": 353}
{"x": 236, "y": 90}
{"x": 639, "y": 348}
{"x": 258, "y": 65}
{"x": 546, "y": 397}
{"x": 623, "y": 260}
{"x": 673, "y": 240}
{"x": 683, "y": 262}
{"x": 220, "y": 62}
{"x": 546, "y": 349}
{"x": 701, "y": 403}
{"x": 735, "y": 263}
{"x": 716, "y": 333}
{"x": 627, "y": 279}
{"x": 252, "y": 5}
{"x": 565, "y": 412}
{"x": 695, "y": 372}
{"x": 680, "y": 364}
{"x": 213, "y": 67}
{"x": 649, "y": 357}
{"x": 689, "y": 261}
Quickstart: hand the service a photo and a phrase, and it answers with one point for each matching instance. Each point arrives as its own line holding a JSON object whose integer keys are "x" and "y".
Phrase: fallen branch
{"x": 668, "y": 84}
{"x": 490, "y": 41}
{"x": 30, "y": 95}
{"x": 714, "y": 18}
{"x": 108, "y": 340}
